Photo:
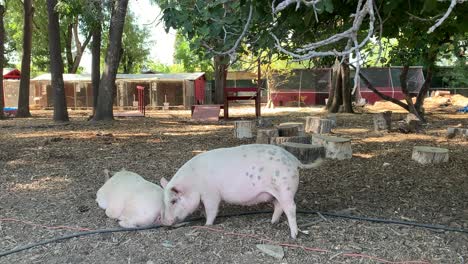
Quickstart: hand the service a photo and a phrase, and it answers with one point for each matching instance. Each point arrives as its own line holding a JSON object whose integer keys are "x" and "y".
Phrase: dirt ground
{"x": 49, "y": 175}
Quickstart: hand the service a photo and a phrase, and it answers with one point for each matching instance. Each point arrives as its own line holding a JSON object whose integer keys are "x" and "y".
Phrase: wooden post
{"x": 264, "y": 135}
{"x": 243, "y": 129}
{"x": 291, "y": 129}
{"x": 427, "y": 155}
{"x": 318, "y": 125}
{"x": 335, "y": 147}
{"x": 258, "y": 98}
{"x": 306, "y": 153}
{"x": 295, "y": 139}
{"x": 383, "y": 121}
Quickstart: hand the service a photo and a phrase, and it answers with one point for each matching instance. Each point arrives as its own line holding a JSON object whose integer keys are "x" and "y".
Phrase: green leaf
{"x": 429, "y": 6}
{"x": 328, "y": 6}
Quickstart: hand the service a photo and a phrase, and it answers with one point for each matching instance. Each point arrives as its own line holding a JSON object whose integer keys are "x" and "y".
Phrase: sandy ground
{"x": 49, "y": 175}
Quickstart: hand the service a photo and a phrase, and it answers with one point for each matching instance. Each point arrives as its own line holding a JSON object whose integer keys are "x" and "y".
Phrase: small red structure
{"x": 14, "y": 74}
{"x": 10, "y": 74}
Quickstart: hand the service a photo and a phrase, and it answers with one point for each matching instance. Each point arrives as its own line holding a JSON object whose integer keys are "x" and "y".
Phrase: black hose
{"x": 114, "y": 230}
{"x": 86, "y": 233}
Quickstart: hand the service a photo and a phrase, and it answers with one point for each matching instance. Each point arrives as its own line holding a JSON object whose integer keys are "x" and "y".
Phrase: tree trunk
{"x": 340, "y": 93}
{"x": 80, "y": 48}
{"x": 347, "y": 100}
{"x": 23, "y": 98}
{"x": 404, "y": 90}
{"x": 96, "y": 57}
{"x": 56, "y": 64}
{"x": 422, "y": 93}
{"x": 335, "y": 91}
{"x": 2, "y": 51}
{"x": 220, "y": 64}
{"x": 68, "y": 47}
{"x": 104, "y": 109}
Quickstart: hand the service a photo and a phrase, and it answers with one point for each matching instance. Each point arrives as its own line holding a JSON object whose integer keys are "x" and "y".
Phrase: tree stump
{"x": 427, "y": 155}
{"x": 264, "y": 135}
{"x": 264, "y": 122}
{"x": 306, "y": 153}
{"x": 411, "y": 124}
{"x": 383, "y": 121}
{"x": 243, "y": 129}
{"x": 318, "y": 125}
{"x": 296, "y": 139}
{"x": 335, "y": 147}
{"x": 332, "y": 117}
{"x": 455, "y": 131}
{"x": 291, "y": 129}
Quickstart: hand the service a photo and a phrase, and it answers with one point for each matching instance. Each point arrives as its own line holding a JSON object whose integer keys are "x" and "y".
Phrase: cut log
{"x": 318, "y": 125}
{"x": 306, "y": 153}
{"x": 335, "y": 147}
{"x": 296, "y": 139}
{"x": 383, "y": 121}
{"x": 243, "y": 129}
{"x": 291, "y": 129}
{"x": 427, "y": 155}
{"x": 456, "y": 131}
{"x": 264, "y": 122}
{"x": 264, "y": 135}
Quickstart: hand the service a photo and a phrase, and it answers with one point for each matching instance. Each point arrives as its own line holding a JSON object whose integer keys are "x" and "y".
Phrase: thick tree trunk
{"x": 96, "y": 58}
{"x": 340, "y": 93}
{"x": 56, "y": 64}
{"x": 2, "y": 51}
{"x": 104, "y": 109}
{"x": 345, "y": 86}
{"x": 23, "y": 98}
{"x": 335, "y": 91}
{"x": 220, "y": 65}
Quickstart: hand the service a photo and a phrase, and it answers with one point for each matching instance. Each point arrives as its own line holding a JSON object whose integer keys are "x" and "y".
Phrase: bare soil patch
{"x": 49, "y": 175}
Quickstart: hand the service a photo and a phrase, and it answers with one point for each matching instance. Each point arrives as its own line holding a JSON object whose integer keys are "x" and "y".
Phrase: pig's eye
{"x": 173, "y": 201}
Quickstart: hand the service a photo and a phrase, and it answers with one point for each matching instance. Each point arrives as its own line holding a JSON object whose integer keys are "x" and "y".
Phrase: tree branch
{"x": 447, "y": 13}
{"x": 381, "y": 95}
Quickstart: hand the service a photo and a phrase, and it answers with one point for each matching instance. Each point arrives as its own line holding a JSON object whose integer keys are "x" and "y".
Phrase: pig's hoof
{"x": 126, "y": 224}
{"x": 294, "y": 234}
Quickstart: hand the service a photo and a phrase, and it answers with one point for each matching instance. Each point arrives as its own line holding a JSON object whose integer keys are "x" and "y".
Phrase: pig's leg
{"x": 211, "y": 205}
{"x": 127, "y": 224}
{"x": 277, "y": 213}
{"x": 289, "y": 208}
{"x": 114, "y": 210}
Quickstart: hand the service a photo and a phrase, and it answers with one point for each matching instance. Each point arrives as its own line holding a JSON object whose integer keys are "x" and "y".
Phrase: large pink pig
{"x": 244, "y": 175}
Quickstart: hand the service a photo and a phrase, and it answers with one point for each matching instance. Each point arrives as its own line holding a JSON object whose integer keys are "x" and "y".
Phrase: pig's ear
{"x": 163, "y": 182}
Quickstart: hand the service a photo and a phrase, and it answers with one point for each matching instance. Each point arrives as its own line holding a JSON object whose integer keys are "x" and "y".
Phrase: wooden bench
{"x": 230, "y": 94}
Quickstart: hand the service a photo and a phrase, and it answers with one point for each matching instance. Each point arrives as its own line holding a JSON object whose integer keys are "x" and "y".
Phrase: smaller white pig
{"x": 131, "y": 199}
{"x": 244, "y": 175}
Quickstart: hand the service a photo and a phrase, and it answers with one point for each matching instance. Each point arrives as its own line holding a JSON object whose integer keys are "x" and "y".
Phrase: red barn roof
{"x": 11, "y": 73}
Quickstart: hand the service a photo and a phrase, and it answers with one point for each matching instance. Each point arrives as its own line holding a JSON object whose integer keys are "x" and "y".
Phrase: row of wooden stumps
{"x": 295, "y": 137}
{"x": 411, "y": 124}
